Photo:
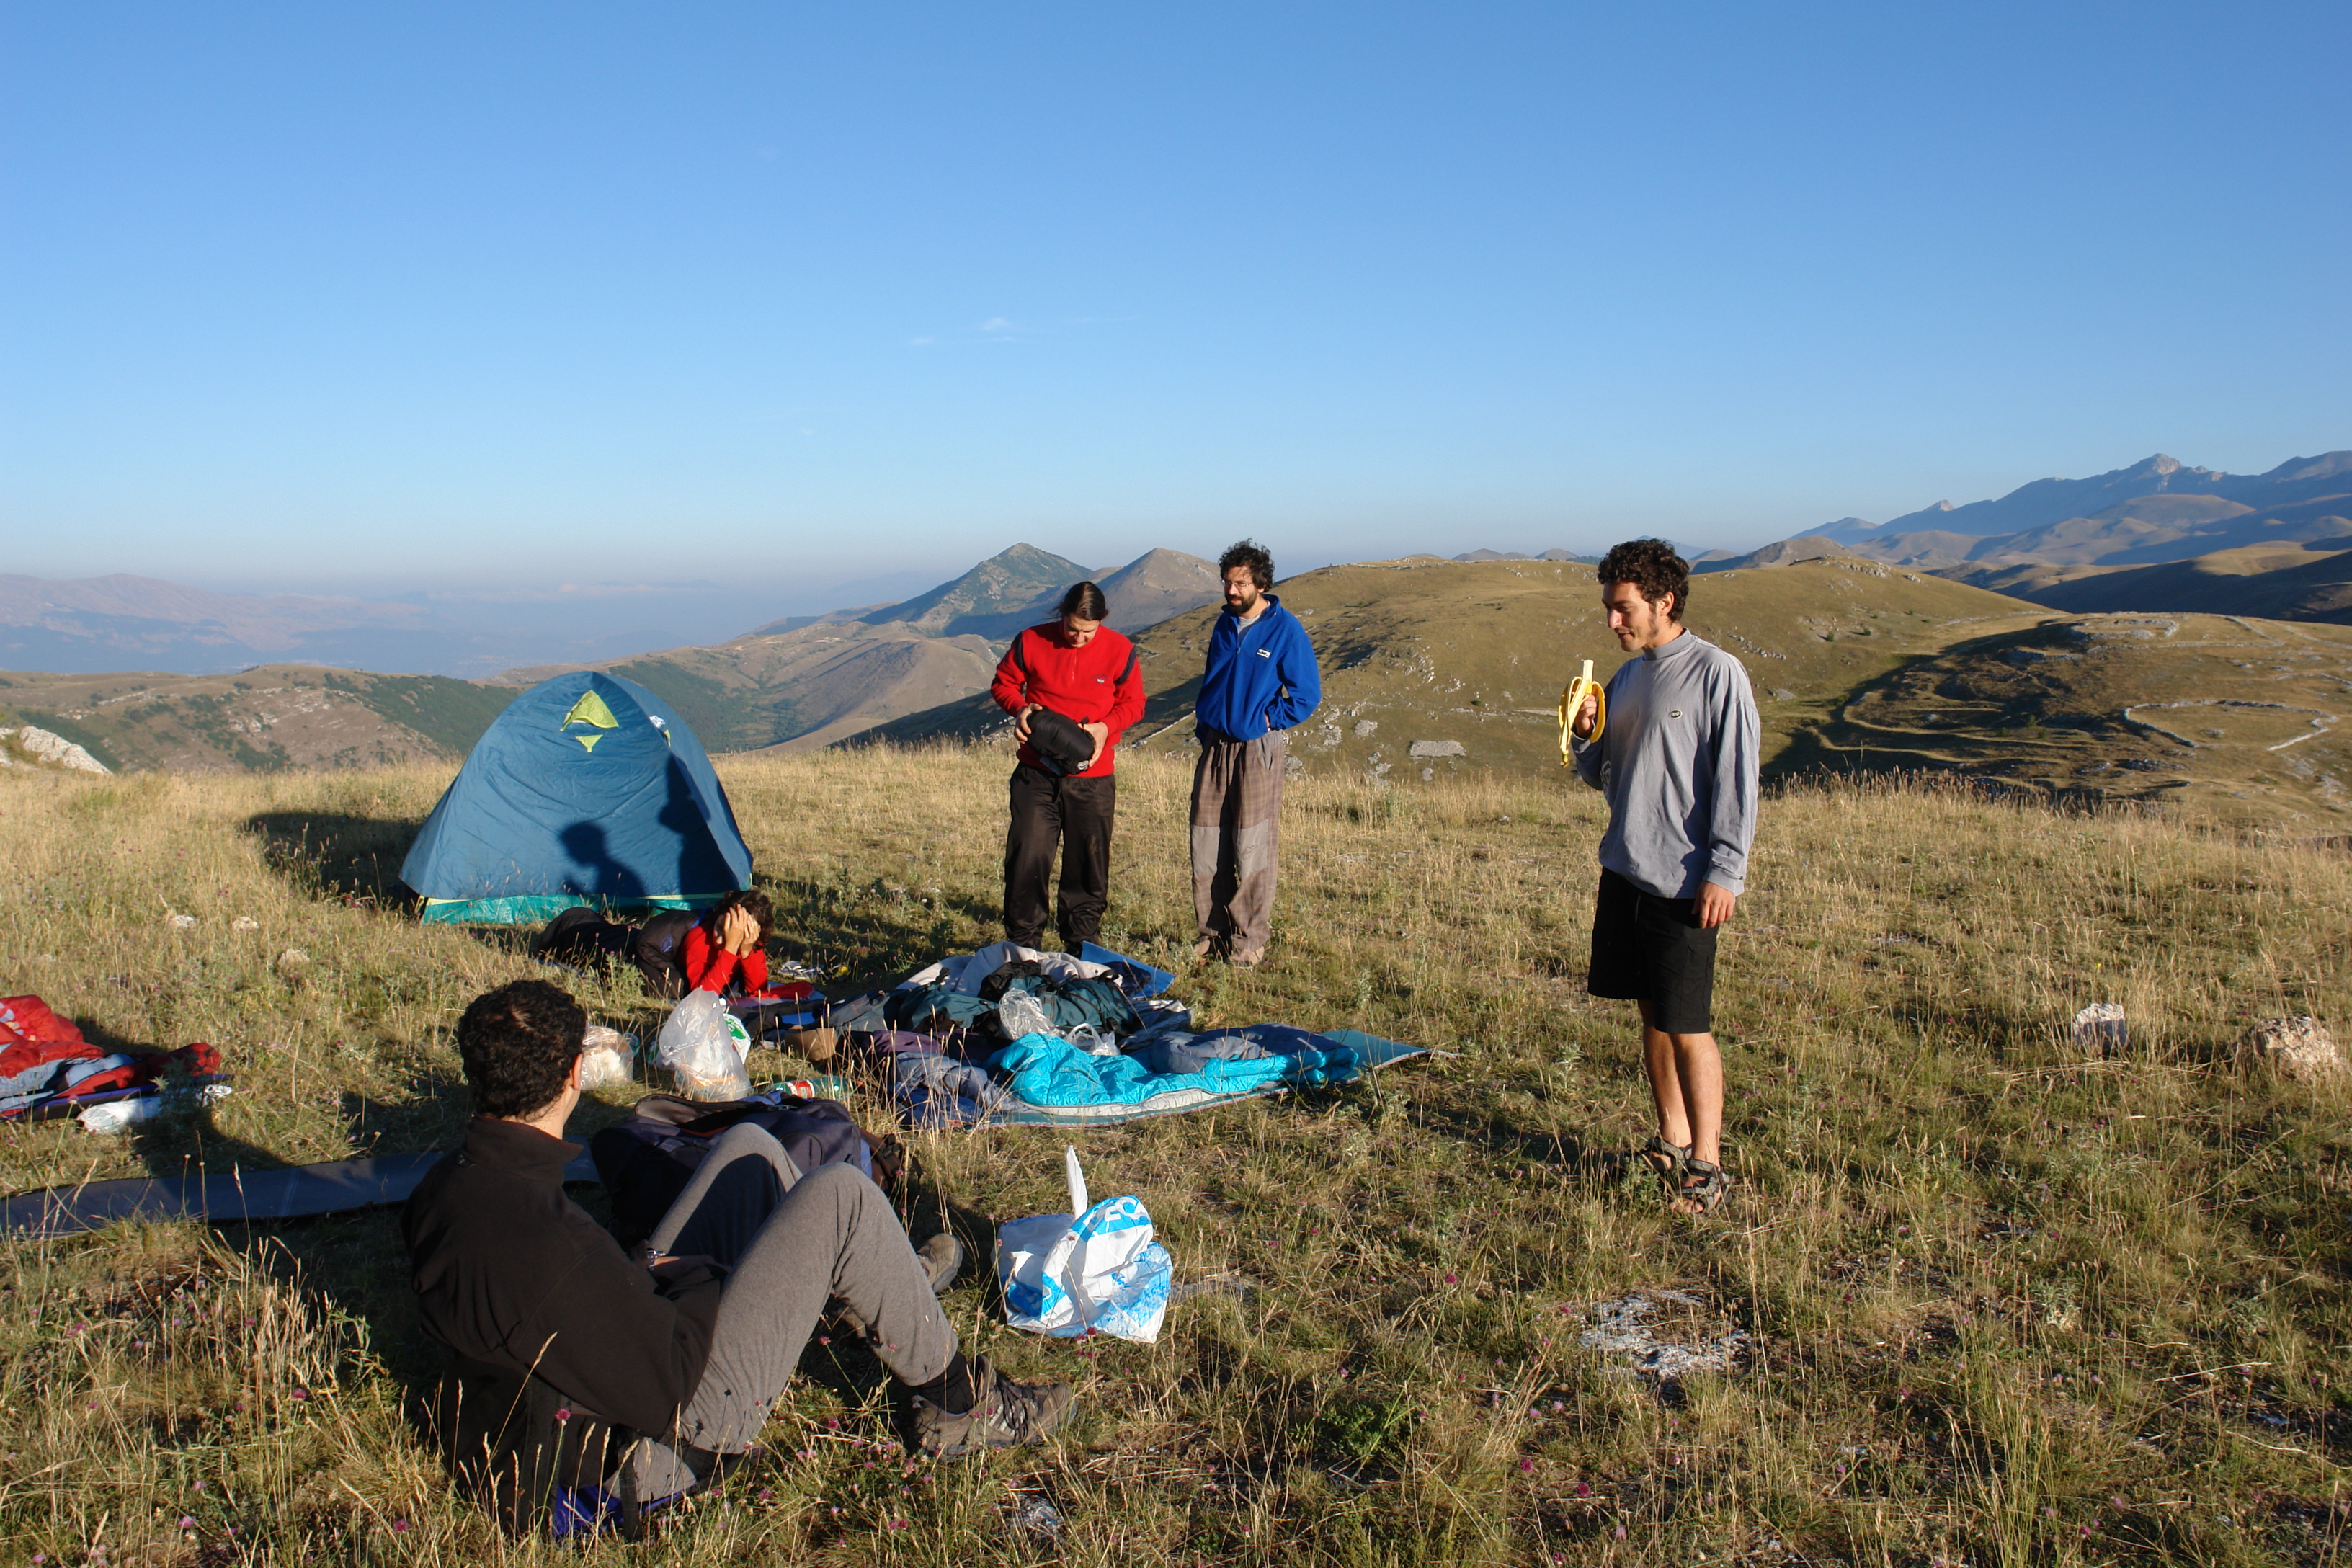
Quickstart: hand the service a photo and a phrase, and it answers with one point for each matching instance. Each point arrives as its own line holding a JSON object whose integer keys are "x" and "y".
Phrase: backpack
{"x": 647, "y": 1160}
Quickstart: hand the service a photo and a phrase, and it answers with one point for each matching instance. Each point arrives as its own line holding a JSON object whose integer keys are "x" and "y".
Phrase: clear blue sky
{"x": 389, "y": 295}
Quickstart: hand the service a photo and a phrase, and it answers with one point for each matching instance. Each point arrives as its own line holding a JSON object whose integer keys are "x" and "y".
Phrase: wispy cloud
{"x": 994, "y": 330}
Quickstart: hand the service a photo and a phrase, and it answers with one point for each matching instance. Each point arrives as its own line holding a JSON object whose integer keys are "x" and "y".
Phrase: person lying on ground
{"x": 574, "y": 1365}
{"x": 1678, "y": 761}
{"x": 721, "y": 950}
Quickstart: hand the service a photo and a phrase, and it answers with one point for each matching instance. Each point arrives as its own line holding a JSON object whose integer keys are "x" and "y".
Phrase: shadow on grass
{"x": 1513, "y": 1141}
{"x": 352, "y": 859}
{"x": 878, "y": 938}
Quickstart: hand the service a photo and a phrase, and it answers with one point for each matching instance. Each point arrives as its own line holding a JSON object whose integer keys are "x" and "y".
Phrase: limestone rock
{"x": 2099, "y": 1030}
{"x": 1437, "y": 749}
{"x": 2297, "y": 1049}
{"x": 55, "y": 750}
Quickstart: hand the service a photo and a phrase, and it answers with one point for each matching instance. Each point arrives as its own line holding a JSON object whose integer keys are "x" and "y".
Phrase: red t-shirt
{"x": 1100, "y": 683}
{"x": 709, "y": 966}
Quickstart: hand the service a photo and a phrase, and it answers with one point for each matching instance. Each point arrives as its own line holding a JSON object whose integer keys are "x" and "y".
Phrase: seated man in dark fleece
{"x": 576, "y": 1366}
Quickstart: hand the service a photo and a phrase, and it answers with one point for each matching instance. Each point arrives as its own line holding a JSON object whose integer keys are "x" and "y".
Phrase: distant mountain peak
{"x": 990, "y": 599}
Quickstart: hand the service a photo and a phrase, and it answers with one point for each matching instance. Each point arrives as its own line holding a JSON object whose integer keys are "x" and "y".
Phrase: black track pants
{"x": 1078, "y": 813}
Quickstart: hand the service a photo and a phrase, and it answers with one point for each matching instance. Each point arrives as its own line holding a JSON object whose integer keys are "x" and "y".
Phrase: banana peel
{"x": 1570, "y": 701}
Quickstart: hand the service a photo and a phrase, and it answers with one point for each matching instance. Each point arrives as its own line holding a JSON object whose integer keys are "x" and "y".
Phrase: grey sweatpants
{"x": 791, "y": 1242}
{"x": 1237, "y": 840}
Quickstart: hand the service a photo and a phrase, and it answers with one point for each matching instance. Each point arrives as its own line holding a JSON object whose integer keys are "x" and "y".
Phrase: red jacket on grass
{"x": 1097, "y": 684}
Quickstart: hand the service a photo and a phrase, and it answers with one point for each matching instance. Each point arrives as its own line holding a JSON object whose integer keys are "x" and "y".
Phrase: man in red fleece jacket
{"x": 1085, "y": 671}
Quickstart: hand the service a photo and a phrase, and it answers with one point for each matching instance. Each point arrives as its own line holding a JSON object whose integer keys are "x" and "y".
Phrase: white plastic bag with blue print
{"x": 1099, "y": 1272}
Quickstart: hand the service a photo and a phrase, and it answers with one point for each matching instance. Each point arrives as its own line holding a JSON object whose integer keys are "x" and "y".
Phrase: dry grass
{"x": 2002, "y": 1304}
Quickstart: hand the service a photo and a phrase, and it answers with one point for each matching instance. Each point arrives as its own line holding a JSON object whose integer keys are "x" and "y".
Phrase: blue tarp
{"x": 295, "y": 1192}
{"x": 587, "y": 790}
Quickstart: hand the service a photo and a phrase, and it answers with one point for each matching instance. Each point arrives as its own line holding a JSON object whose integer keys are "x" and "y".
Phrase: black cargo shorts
{"x": 1649, "y": 949}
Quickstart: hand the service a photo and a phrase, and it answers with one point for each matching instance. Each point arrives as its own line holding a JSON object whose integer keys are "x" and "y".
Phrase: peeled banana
{"x": 1571, "y": 701}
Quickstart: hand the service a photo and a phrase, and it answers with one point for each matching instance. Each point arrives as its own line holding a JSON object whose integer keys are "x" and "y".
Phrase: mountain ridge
{"x": 2043, "y": 502}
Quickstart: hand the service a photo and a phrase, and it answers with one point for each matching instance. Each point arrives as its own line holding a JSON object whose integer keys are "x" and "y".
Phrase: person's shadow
{"x": 598, "y": 873}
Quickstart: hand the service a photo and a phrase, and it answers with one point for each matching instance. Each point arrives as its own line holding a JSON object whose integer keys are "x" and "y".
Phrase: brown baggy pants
{"x": 1236, "y": 838}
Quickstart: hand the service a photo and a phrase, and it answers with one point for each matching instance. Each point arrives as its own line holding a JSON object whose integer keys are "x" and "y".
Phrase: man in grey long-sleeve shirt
{"x": 1676, "y": 757}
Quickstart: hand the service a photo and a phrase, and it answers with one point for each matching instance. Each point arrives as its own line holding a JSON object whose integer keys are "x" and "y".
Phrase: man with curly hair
{"x": 586, "y": 1385}
{"x": 1261, "y": 680}
{"x": 1676, "y": 759}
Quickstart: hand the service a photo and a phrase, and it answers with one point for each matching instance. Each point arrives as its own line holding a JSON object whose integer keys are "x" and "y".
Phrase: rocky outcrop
{"x": 2299, "y": 1049}
{"x": 55, "y": 750}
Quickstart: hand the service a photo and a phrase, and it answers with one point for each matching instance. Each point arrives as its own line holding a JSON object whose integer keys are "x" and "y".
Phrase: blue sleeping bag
{"x": 1044, "y": 1070}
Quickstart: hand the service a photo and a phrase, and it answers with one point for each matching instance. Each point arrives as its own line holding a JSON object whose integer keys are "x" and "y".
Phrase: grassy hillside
{"x": 264, "y": 720}
{"x": 2225, "y": 718}
{"x": 1857, "y": 667}
{"x": 1998, "y": 1301}
{"x": 804, "y": 688}
{"x": 1476, "y": 653}
{"x": 2278, "y": 582}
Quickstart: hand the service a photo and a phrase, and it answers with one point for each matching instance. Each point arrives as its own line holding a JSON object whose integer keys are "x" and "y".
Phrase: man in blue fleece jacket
{"x": 1261, "y": 680}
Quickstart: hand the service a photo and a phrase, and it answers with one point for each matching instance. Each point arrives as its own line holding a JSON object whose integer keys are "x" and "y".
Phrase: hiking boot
{"x": 1008, "y": 1413}
{"x": 943, "y": 1260}
{"x": 816, "y": 1046}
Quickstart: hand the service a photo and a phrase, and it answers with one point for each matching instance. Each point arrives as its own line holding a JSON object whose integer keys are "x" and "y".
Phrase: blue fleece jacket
{"x": 1260, "y": 677}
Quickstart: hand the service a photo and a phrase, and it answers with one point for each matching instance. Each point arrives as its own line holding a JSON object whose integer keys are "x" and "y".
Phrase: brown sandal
{"x": 1675, "y": 1155}
{"x": 1710, "y": 1190}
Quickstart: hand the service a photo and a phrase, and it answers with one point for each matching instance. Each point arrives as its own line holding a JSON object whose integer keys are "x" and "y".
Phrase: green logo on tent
{"x": 589, "y": 710}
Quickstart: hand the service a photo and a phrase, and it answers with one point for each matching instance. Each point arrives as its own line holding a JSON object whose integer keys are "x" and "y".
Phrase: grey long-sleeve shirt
{"x": 1677, "y": 763}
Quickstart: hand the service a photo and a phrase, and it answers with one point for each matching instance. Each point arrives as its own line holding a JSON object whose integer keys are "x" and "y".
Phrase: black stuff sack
{"x": 1061, "y": 744}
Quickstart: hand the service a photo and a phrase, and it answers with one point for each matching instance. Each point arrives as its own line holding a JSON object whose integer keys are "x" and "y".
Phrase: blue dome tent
{"x": 587, "y": 790}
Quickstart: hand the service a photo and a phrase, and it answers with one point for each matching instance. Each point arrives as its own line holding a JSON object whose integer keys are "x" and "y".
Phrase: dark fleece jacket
{"x": 539, "y": 1307}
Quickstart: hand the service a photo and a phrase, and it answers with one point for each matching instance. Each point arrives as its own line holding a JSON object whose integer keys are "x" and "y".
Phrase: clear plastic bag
{"x": 705, "y": 1048}
{"x": 608, "y": 1059}
{"x": 1093, "y": 1041}
{"x": 1022, "y": 1013}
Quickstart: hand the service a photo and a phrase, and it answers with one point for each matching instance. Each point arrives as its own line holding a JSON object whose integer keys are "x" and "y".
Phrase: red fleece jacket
{"x": 1097, "y": 684}
{"x": 709, "y": 966}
